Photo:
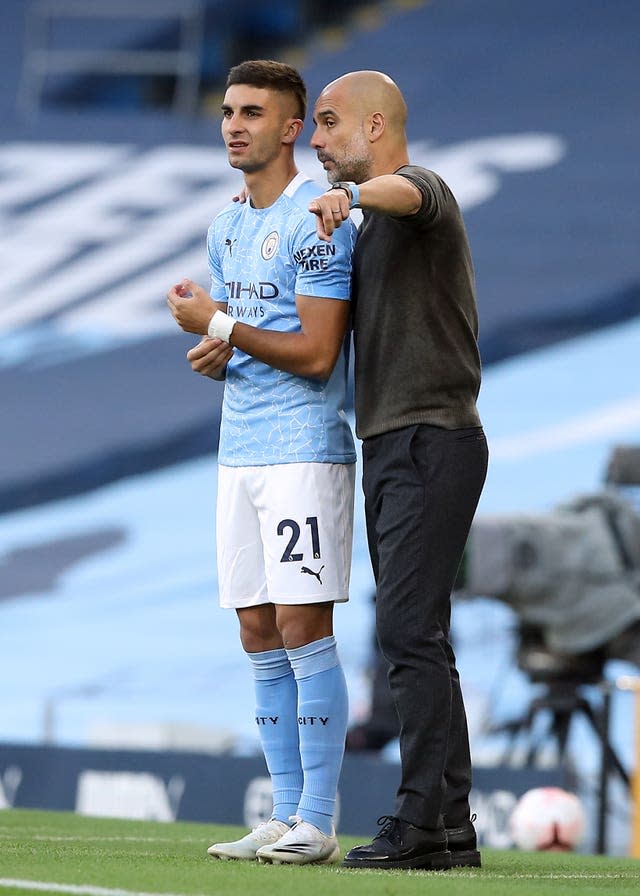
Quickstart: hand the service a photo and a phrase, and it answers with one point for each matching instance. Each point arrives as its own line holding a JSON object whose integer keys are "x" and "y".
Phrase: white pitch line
{"x": 608, "y": 422}
{"x": 89, "y": 890}
{"x": 75, "y": 889}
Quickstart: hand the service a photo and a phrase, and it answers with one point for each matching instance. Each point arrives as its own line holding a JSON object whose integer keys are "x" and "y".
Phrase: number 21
{"x": 288, "y": 555}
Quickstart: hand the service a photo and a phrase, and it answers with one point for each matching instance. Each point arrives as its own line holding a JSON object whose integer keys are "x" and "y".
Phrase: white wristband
{"x": 220, "y": 326}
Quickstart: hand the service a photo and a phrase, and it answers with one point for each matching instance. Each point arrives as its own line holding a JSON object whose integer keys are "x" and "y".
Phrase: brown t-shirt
{"x": 414, "y": 316}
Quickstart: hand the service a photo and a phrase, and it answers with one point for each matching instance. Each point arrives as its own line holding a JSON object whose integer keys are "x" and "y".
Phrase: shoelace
{"x": 388, "y": 823}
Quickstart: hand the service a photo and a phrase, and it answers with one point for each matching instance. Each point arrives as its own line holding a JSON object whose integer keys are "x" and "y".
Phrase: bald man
{"x": 417, "y": 377}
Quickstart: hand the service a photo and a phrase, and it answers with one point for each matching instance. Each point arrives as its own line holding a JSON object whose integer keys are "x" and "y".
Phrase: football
{"x": 548, "y": 818}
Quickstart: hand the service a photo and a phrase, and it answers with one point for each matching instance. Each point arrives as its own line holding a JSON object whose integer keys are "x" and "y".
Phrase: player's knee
{"x": 258, "y": 629}
{"x": 304, "y": 625}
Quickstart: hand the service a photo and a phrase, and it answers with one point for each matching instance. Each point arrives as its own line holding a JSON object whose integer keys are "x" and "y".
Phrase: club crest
{"x": 270, "y": 245}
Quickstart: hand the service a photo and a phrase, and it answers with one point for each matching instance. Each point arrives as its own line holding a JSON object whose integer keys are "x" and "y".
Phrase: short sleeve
{"x": 322, "y": 268}
{"x": 436, "y": 196}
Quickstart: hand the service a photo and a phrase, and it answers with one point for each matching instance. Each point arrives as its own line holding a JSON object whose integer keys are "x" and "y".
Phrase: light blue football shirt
{"x": 259, "y": 259}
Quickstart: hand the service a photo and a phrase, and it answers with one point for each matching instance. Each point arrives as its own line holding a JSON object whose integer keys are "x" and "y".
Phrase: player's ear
{"x": 292, "y": 130}
{"x": 376, "y": 126}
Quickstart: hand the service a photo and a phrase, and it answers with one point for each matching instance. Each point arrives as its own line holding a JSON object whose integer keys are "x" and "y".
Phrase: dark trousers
{"x": 422, "y": 485}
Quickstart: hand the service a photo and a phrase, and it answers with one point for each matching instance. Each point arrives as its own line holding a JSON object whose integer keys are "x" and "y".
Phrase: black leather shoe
{"x": 402, "y": 845}
{"x": 463, "y": 846}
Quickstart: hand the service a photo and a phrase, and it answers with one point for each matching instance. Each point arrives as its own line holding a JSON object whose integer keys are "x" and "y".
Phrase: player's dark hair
{"x": 273, "y": 76}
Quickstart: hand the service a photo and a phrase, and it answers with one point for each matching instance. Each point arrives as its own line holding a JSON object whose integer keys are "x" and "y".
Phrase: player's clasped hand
{"x": 210, "y": 357}
{"x": 330, "y": 209}
{"x": 192, "y": 307}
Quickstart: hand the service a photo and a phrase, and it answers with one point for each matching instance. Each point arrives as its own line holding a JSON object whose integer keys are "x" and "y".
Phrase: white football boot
{"x": 246, "y": 848}
{"x": 303, "y": 844}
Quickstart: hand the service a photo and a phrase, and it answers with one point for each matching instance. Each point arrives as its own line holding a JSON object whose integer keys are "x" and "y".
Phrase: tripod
{"x": 561, "y": 701}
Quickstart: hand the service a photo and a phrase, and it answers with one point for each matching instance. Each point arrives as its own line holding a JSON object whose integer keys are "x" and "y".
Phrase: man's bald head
{"x": 371, "y": 92}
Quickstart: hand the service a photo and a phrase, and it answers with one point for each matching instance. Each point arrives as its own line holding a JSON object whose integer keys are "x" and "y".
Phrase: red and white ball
{"x": 548, "y": 818}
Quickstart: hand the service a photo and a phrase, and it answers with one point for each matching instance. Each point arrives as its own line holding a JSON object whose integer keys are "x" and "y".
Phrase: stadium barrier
{"x": 170, "y": 786}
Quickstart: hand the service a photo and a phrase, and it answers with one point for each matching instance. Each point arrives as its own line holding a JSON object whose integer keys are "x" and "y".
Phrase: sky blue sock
{"x": 323, "y": 711}
{"x": 277, "y": 720}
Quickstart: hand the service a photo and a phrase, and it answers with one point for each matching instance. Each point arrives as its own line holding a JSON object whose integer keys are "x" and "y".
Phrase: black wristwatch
{"x": 351, "y": 189}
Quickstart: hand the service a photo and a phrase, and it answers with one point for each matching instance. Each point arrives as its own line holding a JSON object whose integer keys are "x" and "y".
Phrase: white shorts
{"x": 284, "y": 533}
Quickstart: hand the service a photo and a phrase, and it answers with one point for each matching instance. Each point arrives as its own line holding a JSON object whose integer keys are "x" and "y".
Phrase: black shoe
{"x": 402, "y": 845}
{"x": 463, "y": 845}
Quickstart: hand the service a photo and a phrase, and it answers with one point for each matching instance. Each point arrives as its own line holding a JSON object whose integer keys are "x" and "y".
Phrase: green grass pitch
{"x": 63, "y": 853}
